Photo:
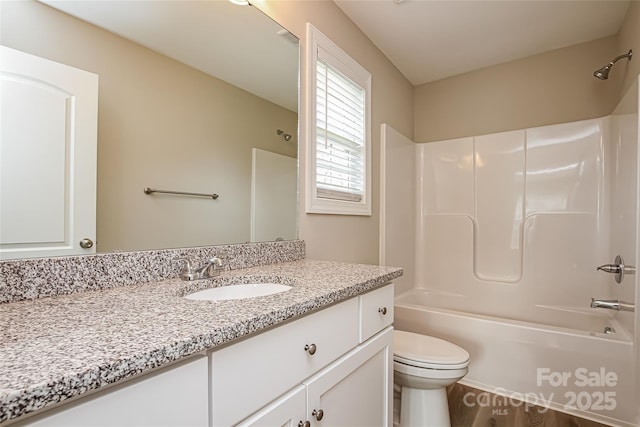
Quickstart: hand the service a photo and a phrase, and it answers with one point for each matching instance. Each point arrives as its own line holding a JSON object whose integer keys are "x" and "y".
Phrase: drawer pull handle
{"x": 382, "y": 310}
{"x": 304, "y": 424}
{"x": 318, "y": 414}
{"x": 310, "y": 348}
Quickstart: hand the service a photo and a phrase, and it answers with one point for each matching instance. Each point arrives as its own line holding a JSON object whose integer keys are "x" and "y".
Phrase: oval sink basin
{"x": 246, "y": 290}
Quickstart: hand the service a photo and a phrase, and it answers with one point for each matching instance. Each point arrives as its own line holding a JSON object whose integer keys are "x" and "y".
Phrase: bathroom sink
{"x": 241, "y": 291}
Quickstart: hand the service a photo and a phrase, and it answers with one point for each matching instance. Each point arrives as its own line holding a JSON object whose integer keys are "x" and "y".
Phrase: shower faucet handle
{"x": 619, "y": 269}
{"x": 610, "y": 268}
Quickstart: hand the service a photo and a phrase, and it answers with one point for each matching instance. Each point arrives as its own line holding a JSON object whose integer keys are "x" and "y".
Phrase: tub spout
{"x": 612, "y": 304}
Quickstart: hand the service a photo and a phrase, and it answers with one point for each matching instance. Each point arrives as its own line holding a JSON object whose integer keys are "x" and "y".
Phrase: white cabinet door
{"x": 175, "y": 396}
{"x": 356, "y": 390}
{"x": 248, "y": 375}
{"x": 48, "y": 143}
{"x": 288, "y": 411}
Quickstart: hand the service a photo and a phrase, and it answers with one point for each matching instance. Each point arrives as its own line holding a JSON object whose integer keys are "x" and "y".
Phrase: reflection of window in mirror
{"x": 175, "y": 112}
{"x": 339, "y": 174}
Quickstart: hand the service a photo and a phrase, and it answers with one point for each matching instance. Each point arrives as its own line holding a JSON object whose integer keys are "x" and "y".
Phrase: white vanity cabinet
{"x": 330, "y": 368}
{"x": 346, "y": 386}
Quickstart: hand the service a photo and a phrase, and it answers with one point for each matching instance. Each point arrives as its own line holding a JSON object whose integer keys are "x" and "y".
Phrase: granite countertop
{"x": 59, "y": 347}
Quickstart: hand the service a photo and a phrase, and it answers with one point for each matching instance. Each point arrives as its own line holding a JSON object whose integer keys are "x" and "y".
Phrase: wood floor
{"x": 495, "y": 411}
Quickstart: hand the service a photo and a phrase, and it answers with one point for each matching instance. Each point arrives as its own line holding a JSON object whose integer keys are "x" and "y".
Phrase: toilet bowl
{"x": 423, "y": 367}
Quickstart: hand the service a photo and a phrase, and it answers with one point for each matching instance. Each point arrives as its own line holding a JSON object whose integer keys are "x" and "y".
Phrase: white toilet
{"x": 423, "y": 366}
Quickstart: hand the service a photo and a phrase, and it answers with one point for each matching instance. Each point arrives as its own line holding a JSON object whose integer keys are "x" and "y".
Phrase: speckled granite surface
{"x": 63, "y": 346}
{"x": 44, "y": 277}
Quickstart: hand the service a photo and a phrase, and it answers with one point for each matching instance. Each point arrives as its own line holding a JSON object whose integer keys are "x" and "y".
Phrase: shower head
{"x": 286, "y": 136}
{"x": 603, "y": 73}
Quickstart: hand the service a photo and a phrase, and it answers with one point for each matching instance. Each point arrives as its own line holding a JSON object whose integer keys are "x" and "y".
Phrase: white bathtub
{"x": 563, "y": 360}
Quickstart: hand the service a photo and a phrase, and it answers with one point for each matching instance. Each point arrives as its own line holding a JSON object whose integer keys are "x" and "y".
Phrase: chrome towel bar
{"x": 148, "y": 190}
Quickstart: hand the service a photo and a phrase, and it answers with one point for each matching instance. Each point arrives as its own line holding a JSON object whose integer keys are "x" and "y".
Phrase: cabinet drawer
{"x": 172, "y": 396}
{"x": 248, "y": 375}
{"x": 376, "y": 311}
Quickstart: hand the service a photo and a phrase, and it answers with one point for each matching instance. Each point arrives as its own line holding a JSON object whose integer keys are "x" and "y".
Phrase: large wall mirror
{"x": 194, "y": 96}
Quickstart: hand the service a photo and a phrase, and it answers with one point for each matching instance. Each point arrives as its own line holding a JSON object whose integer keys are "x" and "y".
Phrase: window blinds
{"x": 340, "y": 135}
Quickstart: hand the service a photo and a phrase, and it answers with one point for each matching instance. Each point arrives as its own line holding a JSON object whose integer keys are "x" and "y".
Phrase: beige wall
{"x": 629, "y": 38}
{"x": 161, "y": 124}
{"x": 553, "y": 87}
{"x": 337, "y": 237}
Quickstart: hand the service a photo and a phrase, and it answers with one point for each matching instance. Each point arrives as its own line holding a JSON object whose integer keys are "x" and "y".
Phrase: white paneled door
{"x": 48, "y": 145}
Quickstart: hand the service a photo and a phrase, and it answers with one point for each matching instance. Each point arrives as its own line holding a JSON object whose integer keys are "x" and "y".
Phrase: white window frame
{"x": 341, "y": 61}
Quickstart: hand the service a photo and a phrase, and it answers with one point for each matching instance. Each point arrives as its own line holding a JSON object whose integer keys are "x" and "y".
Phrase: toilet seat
{"x": 423, "y": 368}
{"x": 427, "y": 352}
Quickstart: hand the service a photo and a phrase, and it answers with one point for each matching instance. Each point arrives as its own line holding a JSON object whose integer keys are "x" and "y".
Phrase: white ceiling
{"x": 429, "y": 40}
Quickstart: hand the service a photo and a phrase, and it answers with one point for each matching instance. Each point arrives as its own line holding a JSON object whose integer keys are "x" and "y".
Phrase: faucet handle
{"x": 188, "y": 271}
{"x": 618, "y": 268}
{"x": 216, "y": 261}
{"x": 219, "y": 258}
{"x": 609, "y": 268}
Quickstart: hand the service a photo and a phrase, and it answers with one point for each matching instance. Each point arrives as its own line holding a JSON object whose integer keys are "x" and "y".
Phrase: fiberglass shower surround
{"x": 510, "y": 230}
{"x": 518, "y": 221}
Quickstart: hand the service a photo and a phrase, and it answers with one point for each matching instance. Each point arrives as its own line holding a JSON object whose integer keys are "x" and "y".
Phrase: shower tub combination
{"x": 524, "y": 360}
{"x": 510, "y": 229}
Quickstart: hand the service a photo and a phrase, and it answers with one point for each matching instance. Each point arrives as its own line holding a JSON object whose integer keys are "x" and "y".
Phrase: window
{"x": 339, "y": 155}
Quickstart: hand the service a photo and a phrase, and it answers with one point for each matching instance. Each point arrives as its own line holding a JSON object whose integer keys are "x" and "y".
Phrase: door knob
{"x": 310, "y": 348}
{"x": 86, "y": 243}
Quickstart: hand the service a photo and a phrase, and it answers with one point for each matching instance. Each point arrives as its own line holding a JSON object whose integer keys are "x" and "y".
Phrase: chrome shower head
{"x": 603, "y": 73}
{"x": 286, "y": 136}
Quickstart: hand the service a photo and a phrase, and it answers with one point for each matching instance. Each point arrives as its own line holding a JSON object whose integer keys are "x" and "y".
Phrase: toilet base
{"x": 424, "y": 408}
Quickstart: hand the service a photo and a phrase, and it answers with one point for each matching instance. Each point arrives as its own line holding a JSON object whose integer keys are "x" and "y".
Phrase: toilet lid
{"x": 428, "y": 352}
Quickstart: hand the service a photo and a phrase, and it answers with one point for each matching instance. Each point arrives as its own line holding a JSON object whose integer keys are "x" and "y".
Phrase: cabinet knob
{"x": 382, "y": 310}
{"x": 86, "y": 243}
{"x": 318, "y": 414}
{"x": 310, "y": 348}
{"x": 304, "y": 424}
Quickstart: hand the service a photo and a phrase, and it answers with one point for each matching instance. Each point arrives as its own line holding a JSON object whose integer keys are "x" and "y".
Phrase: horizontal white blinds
{"x": 340, "y": 135}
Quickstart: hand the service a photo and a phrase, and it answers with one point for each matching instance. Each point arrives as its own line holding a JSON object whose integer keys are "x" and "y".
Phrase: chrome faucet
{"x": 612, "y": 304}
{"x": 211, "y": 268}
